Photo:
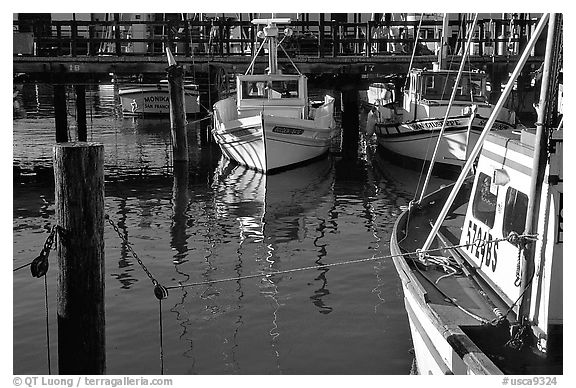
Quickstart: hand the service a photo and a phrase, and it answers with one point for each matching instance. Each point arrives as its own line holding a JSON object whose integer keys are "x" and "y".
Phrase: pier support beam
{"x": 177, "y": 113}
{"x": 350, "y": 122}
{"x": 79, "y": 202}
{"x": 81, "y": 111}
{"x": 60, "y": 111}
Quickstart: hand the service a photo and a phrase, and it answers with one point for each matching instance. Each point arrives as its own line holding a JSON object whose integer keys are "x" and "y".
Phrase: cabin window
{"x": 515, "y": 210}
{"x": 283, "y": 89}
{"x": 270, "y": 89}
{"x": 253, "y": 89}
{"x": 484, "y": 204}
{"x": 439, "y": 87}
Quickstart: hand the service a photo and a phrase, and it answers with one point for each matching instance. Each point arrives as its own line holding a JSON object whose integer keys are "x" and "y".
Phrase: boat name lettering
{"x": 157, "y": 106}
{"x": 435, "y": 124}
{"x": 156, "y": 99}
{"x": 498, "y": 126}
{"x": 288, "y": 131}
{"x": 479, "y": 245}
{"x": 241, "y": 132}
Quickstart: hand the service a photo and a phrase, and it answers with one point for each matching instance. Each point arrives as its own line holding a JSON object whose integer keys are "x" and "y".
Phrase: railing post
{"x": 335, "y": 38}
{"x": 79, "y": 203}
{"x": 187, "y": 38}
{"x": 368, "y": 39}
{"x": 481, "y": 40}
{"x": 59, "y": 38}
{"x": 321, "y": 36}
{"x": 91, "y": 44}
{"x": 74, "y": 38}
{"x": 117, "y": 36}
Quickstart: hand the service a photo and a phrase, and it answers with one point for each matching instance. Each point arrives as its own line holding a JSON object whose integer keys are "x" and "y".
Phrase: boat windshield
{"x": 270, "y": 89}
{"x": 472, "y": 87}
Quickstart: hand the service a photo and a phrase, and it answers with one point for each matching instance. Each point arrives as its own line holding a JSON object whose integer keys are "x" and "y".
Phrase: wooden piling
{"x": 60, "y": 112}
{"x": 180, "y": 201}
{"x": 81, "y": 112}
{"x": 79, "y": 203}
{"x": 350, "y": 123}
{"x": 177, "y": 113}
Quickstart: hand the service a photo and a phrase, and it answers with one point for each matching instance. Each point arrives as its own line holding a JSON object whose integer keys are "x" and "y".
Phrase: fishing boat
{"x": 410, "y": 128}
{"x": 154, "y": 98}
{"x": 270, "y": 124}
{"x": 480, "y": 260}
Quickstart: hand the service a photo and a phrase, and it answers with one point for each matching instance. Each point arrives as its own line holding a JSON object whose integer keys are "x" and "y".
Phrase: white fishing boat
{"x": 482, "y": 281}
{"x": 154, "y": 99}
{"x": 456, "y": 100}
{"x": 271, "y": 124}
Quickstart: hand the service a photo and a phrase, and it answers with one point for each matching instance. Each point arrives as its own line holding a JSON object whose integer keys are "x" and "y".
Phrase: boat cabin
{"x": 499, "y": 206}
{"x": 434, "y": 87}
{"x": 272, "y": 94}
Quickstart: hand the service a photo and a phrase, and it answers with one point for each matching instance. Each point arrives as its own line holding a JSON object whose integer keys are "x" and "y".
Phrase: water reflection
{"x": 216, "y": 221}
{"x": 271, "y": 207}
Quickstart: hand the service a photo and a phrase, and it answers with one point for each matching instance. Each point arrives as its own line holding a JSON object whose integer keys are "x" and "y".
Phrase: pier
{"x": 83, "y": 49}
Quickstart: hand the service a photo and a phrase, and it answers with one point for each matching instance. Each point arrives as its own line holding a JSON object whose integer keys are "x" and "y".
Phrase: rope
{"x": 478, "y": 242}
{"x": 47, "y": 323}
{"x": 161, "y": 341}
{"x": 415, "y": 44}
{"x": 202, "y": 119}
{"x": 21, "y": 267}
{"x": 161, "y": 292}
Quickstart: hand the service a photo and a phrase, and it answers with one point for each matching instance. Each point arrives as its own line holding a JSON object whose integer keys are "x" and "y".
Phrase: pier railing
{"x": 323, "y": 38}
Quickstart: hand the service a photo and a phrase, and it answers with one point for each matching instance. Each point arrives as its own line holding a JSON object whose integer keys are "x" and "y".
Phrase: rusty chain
{"x": 159, "y": 290}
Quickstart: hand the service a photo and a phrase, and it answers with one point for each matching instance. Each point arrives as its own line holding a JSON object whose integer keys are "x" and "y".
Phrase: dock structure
{"x": 88, "y": 45}
{"x": 330, "y": 49}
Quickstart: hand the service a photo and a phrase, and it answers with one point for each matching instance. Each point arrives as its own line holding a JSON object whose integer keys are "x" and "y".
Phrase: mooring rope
{"x": 47, "y": 323}
{"x": 161, "y": 336}
{"x": 477, "y": 242}
{"x": 161, "y": 291}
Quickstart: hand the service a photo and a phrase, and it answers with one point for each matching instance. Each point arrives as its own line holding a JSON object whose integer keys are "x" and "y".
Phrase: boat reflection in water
{"x": 271, "y": 206}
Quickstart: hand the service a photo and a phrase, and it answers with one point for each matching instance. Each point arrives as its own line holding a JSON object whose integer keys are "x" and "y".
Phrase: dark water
{"x": 217, "y": 221}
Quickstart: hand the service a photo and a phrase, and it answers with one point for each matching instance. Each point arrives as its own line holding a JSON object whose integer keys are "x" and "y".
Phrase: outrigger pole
{"x": 487, "y": 128}
{"x": 538, "y": 169}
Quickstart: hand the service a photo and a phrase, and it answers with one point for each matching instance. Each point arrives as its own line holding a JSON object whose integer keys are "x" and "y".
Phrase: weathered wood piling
{"x": 80, "y": 90}
{"x": 177, "y": 110}
{"x": 60, "y": 112}
{"x": 350, "y": 122}
{"x": 79, "y": 202}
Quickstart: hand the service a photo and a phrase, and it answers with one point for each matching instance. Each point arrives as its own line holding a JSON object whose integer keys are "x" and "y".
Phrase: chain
{"x": 39, "y": 266}
{"x": 159, "y": 291}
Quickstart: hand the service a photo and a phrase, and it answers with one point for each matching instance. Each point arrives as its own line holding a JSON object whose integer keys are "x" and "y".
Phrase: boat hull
{"x": 271, "y": 143}
{"x": 440, "y": 346}
{"x": 417, "y": 140}
{"x": 155, "y": 100}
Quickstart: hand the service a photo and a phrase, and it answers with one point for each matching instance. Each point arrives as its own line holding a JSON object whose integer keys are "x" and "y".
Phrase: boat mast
{"x": 538, "y": 165}
{"x": 270, "y": 33}
{"x": 487, "y": 128}
{"x": 443, "y": 52}
{"x": 454, "y": 90}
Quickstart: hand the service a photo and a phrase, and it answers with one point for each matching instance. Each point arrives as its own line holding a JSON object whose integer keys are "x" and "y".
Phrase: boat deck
{"x": 462, "y": 304}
